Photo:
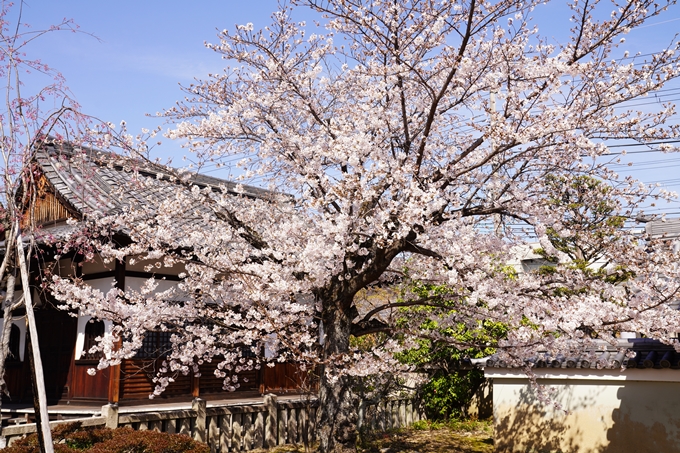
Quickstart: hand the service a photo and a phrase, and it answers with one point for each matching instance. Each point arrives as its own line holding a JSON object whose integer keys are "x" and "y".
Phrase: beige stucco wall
{"x": 481, "y": 403}
{"x": 592, "y": 415}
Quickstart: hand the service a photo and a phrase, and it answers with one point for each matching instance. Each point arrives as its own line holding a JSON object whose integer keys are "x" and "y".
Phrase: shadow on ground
{"x": 443, "y": 440}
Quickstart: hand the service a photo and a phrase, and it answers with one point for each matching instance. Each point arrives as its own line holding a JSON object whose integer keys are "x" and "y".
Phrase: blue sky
{"x": 140, "y": 52}
{"x": 143, "y": 49}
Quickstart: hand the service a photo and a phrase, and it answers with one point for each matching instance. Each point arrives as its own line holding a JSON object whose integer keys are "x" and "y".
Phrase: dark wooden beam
{"x": 195, "y": 385}
{"x": 134, "y": 274}
{"x": 114, "y": 373}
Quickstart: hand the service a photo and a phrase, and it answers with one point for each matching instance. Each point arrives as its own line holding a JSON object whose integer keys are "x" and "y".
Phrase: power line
{"x": 662, "y": 142}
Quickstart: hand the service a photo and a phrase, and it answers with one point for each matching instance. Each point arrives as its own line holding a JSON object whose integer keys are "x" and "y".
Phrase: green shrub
{"x": 450, "y": 384}
{"x": 445, "y": 395}
{"x": 73, "y": 438}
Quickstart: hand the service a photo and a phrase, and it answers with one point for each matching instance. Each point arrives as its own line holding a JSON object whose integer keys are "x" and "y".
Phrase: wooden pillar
{"x": 195, "y": 385}
{"x": 271, "y": 422}
{"x": 114, "y": 382}
{"x": 114, "y": 371}
{"x": 260, "y": 376}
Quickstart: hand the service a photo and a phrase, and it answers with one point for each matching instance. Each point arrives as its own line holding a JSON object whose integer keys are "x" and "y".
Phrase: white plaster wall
{"x": 104, "y": 285}
{"x": 97, "y": 265}
{"x": 20, "y": 322}
{"x": 598, "y": 415}
{"x": 136, "y": 264}
{"x": 80, "y": 337}
{"x": 136, "y": 283}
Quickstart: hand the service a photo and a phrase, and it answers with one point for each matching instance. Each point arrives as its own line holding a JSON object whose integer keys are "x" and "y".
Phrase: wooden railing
{"x": 10, "y": 433}
{"x": 238, "y": 428}
{"x": 388, "y": 414}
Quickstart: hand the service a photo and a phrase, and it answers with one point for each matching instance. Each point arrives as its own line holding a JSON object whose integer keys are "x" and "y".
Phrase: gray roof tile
{"x": 647, "y": 354}
{"x": 91, "y": 180}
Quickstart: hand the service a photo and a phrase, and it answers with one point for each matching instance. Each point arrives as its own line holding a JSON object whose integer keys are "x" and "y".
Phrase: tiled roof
{"x": 647, "y": 354}
{"x": 89, "y": 180}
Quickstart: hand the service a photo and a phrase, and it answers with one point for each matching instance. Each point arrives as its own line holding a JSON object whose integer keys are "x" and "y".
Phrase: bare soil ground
{"x": 454, "y": 437}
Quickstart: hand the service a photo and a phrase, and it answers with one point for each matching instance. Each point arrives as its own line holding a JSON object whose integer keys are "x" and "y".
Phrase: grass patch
{"x": 463, "y": 436}
{"x": 472, "y": 425}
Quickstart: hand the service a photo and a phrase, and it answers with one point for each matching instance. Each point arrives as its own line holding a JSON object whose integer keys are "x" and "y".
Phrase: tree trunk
{"x": 337, "y": 413}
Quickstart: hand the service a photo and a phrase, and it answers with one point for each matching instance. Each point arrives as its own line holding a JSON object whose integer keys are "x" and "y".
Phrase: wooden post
{"x": 213, "y": 434}
{"x": 248, "y": 430}
{"x": 114, "y": 382}
{"x": 293, "y": 428}
{"x": 271, "y": 422}
{"x": 261, "y": 378}
{"x": 303, "y": 426}
{"x": 258, "y": 430}
{"x": 114, "y": 371}
{"x": 195, "y": 385}
{"x": 199, "y": 406}
{"x": 42, "y": 417}
{"x": 283, "y": 426}
{"x": 225, "y": 432}
{"x": 110, "y": 412}
{"x": 237, "y": 430}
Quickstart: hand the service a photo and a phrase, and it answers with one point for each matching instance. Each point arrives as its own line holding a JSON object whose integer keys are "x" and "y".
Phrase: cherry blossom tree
{"x": 404, "y": 141}
{"x": 37, "y": 104}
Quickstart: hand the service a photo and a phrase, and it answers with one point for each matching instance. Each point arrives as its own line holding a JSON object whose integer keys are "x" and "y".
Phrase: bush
{"x": 450, "y": 386}
{"x": 445, "y": 395}
{"x": 72, "y": 438}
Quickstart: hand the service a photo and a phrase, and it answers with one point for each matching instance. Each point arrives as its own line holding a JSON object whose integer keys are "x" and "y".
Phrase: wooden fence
{"x": 240, "y": 427}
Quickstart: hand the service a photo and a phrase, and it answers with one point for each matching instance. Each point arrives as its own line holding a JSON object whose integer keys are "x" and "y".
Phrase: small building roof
{"x": 89, "y": 180}
{"x": 666, "y": 228}
{"x": 630, "y": 353}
